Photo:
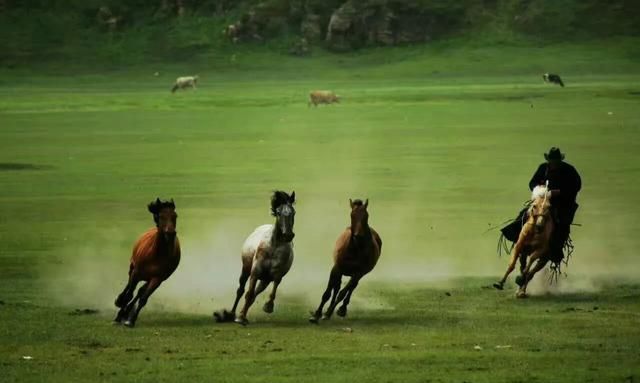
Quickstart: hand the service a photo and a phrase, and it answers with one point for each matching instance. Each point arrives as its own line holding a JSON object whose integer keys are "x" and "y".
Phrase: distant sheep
{"x": 552, "y": 78}
{"x": 185, "y": 82}
{"x": 322, "y": 97}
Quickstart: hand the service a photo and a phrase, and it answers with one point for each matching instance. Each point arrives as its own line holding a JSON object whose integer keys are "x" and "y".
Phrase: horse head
{"x": 359, "y": 219}
{"x": 282, "y": 208}
{"x": 165, "y": 217}
{"x": 540, "y": 209}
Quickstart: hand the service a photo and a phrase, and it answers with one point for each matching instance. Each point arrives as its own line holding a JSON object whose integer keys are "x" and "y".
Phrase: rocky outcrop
{"x": 360, "y": 23}
{"x": 310, "y": 28}
{"x": 343, "y": 26}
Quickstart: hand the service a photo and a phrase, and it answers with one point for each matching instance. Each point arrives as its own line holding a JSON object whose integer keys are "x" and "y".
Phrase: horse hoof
{"x": 521, "y": 295}
{"x": 342, "y": 311}
{"x": 268, "y": 307}
{"x": 326, "y": 317}
{"x": 313, "y": 319}
{"x": 242, "y": 321}
{"x": 498, "y": 286}
{"x": 129, "y": 324}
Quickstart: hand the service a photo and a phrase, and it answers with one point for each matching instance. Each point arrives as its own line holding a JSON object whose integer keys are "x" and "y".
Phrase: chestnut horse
{"x": 356, "y": 254}
{"x": 267, "y": 255}
{"x": 533, "y": 242}
{"x": 155, "y": 257}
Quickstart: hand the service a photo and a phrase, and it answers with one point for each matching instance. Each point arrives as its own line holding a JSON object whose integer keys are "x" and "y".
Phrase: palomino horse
{"x": 155, "y": 257}
{"x": 267, "y": 255}
{"x": 356, "y": 254}
{"x": 533, "y": 241}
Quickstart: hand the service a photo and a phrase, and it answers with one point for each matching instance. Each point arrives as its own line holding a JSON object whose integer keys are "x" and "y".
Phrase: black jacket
{"x": 564, "y": 178}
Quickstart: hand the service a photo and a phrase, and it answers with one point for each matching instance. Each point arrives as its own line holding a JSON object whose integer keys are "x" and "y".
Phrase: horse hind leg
{"x": 249, "y": 298}
{"x": 227, "y": 316}
{"x": 342, "y": 310}
{"x": 127, "y": 293}
{"x": 244, "y": 277}
{"x": 332, "y": 289}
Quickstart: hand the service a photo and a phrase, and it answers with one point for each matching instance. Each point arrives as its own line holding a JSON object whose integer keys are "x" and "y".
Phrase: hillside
{"x": 119, "y": 32}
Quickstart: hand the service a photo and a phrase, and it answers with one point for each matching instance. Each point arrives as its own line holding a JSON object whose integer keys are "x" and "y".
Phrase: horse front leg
{"x": 342, "y": 311}
{"x": 125, "y": 297}
{"x": 526, "y": 275}
{"x": 268, "y": 307}
{"x": 341, "y": 295}
{"x": 143, "y": 296}
{"x": 335, "y": 280}
{"x": 515, "y": 254}
{"x": 249, "y": 298}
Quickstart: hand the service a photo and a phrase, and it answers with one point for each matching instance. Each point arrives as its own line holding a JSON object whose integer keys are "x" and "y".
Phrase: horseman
{"x": 564, "y": 184}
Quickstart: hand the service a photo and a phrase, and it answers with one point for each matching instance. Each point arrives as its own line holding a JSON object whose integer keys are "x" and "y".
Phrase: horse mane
{"x": 278, "y": 199}
{"x": 156, "y": 206}
{"x": 540, "y": 192}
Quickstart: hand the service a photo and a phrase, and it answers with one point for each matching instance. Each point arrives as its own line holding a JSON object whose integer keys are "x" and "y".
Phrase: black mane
{"x": 156, "y": 206}
{"x": 280, "y": 198}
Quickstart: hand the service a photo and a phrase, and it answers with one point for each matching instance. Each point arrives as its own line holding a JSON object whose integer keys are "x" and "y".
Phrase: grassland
{"x": 441, "y": 140}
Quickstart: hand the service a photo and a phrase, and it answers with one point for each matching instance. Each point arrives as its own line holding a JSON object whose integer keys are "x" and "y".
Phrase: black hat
{"x": 554, "y": 155}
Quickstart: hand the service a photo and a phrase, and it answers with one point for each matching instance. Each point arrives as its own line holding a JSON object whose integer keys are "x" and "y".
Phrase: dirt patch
{"x": 84, "y": 312}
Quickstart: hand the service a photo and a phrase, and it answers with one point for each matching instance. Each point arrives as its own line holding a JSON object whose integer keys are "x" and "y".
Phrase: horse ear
{"x": 366, "y": 203}
{"x": 153, "y": 206}
{"x": 350, "y": 203}
{"x": 292, "y": 199}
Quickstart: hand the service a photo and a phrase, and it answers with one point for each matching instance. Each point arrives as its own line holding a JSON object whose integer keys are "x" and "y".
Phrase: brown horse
{"x": 533, "y": 242}
{"x": 155, "y": 257}
{"x": 356, "y": 254}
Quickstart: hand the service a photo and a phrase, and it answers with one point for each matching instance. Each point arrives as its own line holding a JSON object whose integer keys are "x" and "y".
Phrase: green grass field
{"x": 442, "y": 142}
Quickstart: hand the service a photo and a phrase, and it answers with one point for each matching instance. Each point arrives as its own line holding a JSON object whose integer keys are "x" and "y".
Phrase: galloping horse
{"x": 267, "y": 255}
{"x": 533, "y": 241}
{"x": 155, "y": 257}
{"x": 356, "y": 254}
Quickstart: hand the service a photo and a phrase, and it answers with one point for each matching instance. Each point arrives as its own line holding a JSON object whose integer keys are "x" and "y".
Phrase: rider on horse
{"x": 564, "y": 184}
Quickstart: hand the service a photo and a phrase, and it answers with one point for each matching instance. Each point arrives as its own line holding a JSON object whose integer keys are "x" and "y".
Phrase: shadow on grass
{"x": 16, "y": 166}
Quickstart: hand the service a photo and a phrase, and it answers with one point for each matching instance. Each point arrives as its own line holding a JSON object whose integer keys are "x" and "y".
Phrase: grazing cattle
{"x": 322, "y": 97}
{"x": 155, "y": 257}
{"x": 267, "y": 256}
{"x": 356, "y": 254}
{"x": 552, "y": 78}
{"x": 185, "y": 82}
